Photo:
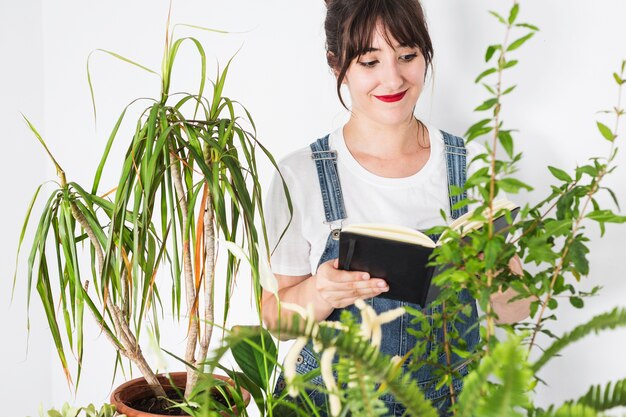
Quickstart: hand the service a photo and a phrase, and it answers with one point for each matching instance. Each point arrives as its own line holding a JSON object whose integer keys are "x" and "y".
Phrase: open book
{"x": 400, "y": 255}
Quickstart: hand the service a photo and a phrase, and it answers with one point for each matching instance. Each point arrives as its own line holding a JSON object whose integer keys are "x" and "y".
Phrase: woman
{"x": 382, "y": 166}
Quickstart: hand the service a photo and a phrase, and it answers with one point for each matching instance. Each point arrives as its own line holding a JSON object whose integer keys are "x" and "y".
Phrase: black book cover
{"x": 401, "y": 264}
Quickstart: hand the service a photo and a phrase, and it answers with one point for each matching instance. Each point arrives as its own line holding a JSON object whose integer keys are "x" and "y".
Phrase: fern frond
{"x": 486, "y": 399}
{"x": 372, "y": 362}
{"x": 361, "y": 393}
{"x": 570, "y": 410}
{"x": 596, "y": 400}
{"x": 611, "y": 320}
{"x": 604, "y": 398}
{"x": 363, "y": 354}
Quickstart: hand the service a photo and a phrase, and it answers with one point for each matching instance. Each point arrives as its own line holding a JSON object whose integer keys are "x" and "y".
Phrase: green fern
{"x": 611, "y": 320}
{"x": 569, "y": 410}
{"x": 360, "y": 391}
{"x": 604, "y": 398}
{"x": 482, "y": 398}
{"x": 596, "y": 400}
{"x": 361, "y": 353}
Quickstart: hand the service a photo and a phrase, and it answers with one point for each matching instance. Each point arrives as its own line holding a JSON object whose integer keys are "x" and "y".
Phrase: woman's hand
{"x": 342, "y": 288}
{"x": 508, "y": 311}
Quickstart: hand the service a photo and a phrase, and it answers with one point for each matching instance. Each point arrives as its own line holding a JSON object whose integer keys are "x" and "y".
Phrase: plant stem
{"x": 559, "y": 267}
{"x": 492, "y": 181}
{"x": 446, "y": 347}
{"x": 190, "y": 289}
{"x": 209, "y": 283}
{"x": 208, "y": 276}
{"x": 129, "y": 348}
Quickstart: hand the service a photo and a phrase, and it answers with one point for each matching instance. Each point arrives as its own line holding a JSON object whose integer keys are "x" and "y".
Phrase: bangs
{"x": 404, "y": 24}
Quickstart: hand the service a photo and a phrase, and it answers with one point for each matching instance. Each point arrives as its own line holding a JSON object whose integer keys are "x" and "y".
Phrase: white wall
{"x": 281, "y": 76}
{"x": 22, "y": 170}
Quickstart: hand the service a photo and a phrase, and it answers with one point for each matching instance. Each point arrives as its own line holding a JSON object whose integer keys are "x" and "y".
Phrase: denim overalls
{"x": 395, "y": 340}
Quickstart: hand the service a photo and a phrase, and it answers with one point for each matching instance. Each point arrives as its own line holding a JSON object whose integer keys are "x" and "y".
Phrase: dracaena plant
{"x": 549, "y": 237}
{"x": 189, "y": 177}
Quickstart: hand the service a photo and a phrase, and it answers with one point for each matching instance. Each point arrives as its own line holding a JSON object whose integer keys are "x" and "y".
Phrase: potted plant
{"x": 548, "y": 236}
{"x": 189, "y": 178}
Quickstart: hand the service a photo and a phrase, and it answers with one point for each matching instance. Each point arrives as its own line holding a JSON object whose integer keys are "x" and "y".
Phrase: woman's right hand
{"x": 342, "y": 288}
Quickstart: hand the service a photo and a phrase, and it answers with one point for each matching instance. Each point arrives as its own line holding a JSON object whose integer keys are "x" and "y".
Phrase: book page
{"x": 465, "y": 225}
{"x": 391, "y": 232}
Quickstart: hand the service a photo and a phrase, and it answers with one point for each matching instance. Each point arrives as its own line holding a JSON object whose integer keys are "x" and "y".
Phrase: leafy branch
{"x": 597, "y": 171}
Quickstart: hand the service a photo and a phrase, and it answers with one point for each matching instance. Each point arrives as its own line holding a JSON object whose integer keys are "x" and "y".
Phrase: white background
{"x": 281, "y": 76}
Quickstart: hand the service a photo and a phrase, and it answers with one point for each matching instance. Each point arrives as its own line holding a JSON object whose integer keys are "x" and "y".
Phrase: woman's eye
{"x": 408, "y": 57}
{"x": 368, "y": 64}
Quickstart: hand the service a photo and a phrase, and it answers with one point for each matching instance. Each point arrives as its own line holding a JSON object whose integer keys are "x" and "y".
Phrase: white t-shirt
{"x": 413, "y": 201}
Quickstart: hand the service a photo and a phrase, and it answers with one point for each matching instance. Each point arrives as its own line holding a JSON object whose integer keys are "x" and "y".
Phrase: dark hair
{"x": 350, "y": 24}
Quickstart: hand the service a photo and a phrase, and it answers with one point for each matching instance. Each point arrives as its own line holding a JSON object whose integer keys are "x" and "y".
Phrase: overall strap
{"x": 326, "y": 163}
{"x": 456, "y": 163}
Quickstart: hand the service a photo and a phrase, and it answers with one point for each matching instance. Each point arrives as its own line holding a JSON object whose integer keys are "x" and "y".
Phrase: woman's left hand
{"x": 511, "y": 311}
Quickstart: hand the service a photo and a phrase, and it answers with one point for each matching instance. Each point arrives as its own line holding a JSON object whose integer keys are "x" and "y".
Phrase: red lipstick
{"x": 392, "y": 98}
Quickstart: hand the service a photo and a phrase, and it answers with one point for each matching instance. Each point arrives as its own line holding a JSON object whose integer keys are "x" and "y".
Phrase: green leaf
{"x": 507, "y": 142}
{"x": 613, "y": 196}
{"x": 574, "y": 410}
{"x": 606, "y": 132}
{"x": 509, "y": 64}
{"x": 477, "y": 125}
{"x": 487, "y": 104}
{"x": 201, "y": 28}
{"x": 513, "y": 185}
{"x": 553, "y": 303}
{"x": 519, "y": 42}
{"x": 577, "y": 302}
{"x": 578, "y": 255}
{"x": 527, "y": 26}
{"x": 491, "y": 49}
{"x": 618, "y": 79}
{"x": 41, "y": 141}
{"x": 107, "y": 149}
{"x": 508, "y": 90}
{"x": 251, "y": 351}
{"x": 497, "y": 16}
{"x": 558, "y": 227}
{"x": 484, "y": 74}
{"x": 513, "y": 13}
{"x": 500, "y": 383}
{"x": 605, "y": 398}
{"x": 478, "y": 133}
{"x": 489, "y": 88}
{"x": 113, "y": 54}
{"x": 492, "y": 249}
{"x": 560, "y": 174}
{"x": 587, "y": 169}
{"x": 606, "y": 216}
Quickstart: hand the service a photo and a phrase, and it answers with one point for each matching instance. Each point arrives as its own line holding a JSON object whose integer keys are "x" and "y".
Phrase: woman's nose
{"x": 392, "y": 76}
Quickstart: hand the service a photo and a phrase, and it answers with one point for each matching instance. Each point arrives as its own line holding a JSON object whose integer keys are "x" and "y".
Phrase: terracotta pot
{"x": 137, "y": 389}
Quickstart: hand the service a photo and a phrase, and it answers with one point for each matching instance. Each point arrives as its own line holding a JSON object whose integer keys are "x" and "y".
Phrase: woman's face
{"x": 386, "y": 81}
